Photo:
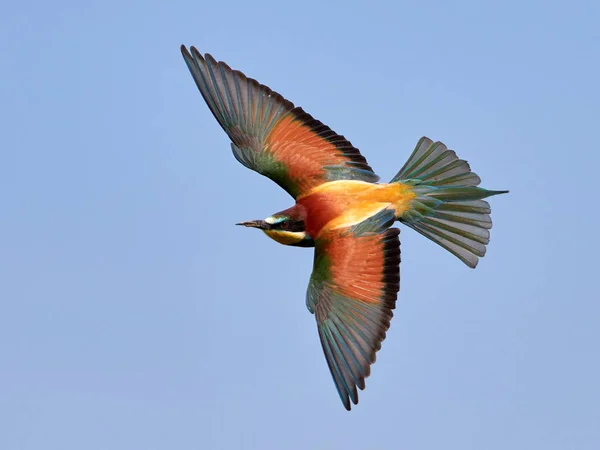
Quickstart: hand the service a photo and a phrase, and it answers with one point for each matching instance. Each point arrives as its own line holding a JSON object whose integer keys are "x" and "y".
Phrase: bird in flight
{"x": 343, "y": 212}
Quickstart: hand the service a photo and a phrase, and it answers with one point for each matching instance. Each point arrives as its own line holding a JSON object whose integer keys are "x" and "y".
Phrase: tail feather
{"x": 434, "y": 163}
{"x": 449, "y": 208}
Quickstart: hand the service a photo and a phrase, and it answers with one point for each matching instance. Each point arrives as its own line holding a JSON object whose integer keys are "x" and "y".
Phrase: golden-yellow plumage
{"x": 345, "y": 203}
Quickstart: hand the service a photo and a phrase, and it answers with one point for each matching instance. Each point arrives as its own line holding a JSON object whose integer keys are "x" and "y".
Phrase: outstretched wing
{"x": 270, "y": 135}
{"x": 352, "y": 292}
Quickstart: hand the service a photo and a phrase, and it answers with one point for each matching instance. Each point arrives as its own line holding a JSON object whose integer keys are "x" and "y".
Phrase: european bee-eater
{"x": 343, "y": 212}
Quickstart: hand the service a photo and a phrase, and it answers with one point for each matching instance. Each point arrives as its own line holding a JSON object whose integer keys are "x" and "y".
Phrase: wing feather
{"x": 352, "y": 292}
{"x": 272, "y": 136}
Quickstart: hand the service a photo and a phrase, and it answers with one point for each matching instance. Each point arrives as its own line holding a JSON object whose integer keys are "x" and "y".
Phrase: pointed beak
{"x": 254, "y": 224}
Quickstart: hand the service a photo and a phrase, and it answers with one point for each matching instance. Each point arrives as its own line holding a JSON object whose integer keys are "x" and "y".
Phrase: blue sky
{"x": 134, "y": 314}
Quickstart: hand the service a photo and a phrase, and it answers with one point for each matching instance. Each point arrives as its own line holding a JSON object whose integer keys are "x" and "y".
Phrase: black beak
{"x": 255, "y": 224}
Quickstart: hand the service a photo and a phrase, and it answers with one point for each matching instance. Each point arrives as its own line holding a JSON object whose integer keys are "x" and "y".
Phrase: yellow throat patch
{"x": 285, "y": 237}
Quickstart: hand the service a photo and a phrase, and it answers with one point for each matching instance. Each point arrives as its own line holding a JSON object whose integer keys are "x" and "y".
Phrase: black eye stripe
{"x": 289, "y": 225}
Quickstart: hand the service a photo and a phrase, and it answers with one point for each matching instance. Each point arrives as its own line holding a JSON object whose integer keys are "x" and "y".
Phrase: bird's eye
{"x": 289, "y": 225}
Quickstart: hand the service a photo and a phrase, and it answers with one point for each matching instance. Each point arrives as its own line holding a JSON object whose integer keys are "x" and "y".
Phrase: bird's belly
{"x": 343, "y": 203}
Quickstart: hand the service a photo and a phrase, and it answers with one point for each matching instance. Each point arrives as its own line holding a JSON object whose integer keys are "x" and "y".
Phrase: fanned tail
{"x": 449, "y": 208}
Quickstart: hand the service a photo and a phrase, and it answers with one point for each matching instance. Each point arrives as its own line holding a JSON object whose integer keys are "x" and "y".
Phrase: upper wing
{"x": 270, "y": 135}
{"x": 352, "y": 292}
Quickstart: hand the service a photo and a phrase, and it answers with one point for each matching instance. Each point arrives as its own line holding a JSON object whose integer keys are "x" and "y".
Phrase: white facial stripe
{"x": 272, "y": 220}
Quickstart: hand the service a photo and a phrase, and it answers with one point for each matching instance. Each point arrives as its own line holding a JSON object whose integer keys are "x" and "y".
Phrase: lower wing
{"x": 352, "y": 292}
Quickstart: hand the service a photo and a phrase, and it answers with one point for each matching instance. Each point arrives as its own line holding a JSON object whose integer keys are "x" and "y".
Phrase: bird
{"x": 343, "y": 212}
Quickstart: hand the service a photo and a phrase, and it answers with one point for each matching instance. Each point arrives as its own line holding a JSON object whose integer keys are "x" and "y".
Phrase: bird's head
{"x": 283, "y": 229}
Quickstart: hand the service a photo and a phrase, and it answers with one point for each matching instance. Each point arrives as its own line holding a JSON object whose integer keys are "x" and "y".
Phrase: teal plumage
{"x": 449, "y": 208}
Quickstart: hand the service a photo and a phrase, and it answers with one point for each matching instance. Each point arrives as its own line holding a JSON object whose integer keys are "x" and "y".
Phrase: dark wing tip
{"x": 392, "y": 258}
{"x": 197, "y": 54}
{"x": 211, "y": 59}
{"x": 347, "y": 404}
{"x": 186, "y": 54}
{"x": 191, "y": 56}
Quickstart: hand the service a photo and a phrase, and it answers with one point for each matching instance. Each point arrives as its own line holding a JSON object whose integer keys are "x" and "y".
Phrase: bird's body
{"x": 343, "y": 212}
{"x": 343, "y": 203}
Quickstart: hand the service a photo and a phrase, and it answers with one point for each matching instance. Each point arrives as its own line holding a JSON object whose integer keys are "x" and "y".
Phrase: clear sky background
{"x": 135, "y": 315}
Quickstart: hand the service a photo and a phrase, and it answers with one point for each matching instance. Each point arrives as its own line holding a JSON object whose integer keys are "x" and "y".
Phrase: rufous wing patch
{"x": 306, "y": 147}
{"x": 303, "y": 152}
{"x": 357, "y": 267}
